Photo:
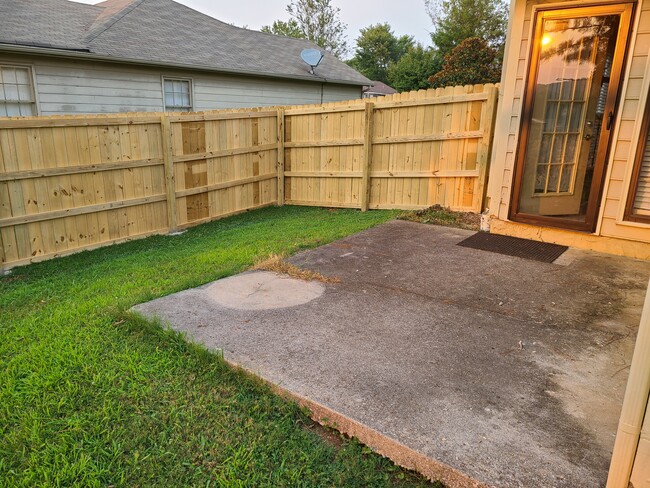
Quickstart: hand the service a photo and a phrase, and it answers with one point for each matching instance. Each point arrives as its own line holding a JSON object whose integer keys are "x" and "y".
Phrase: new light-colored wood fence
{"x": 72, "y": 183}
{"x": 407, "y": 151}
{"x": 79, "y": 182}
{"x": 223, "y": 163}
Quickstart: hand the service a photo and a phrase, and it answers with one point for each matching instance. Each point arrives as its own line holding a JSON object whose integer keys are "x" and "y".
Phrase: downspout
{"x": 322, "y": 88}
{"x": 634, "y": 408}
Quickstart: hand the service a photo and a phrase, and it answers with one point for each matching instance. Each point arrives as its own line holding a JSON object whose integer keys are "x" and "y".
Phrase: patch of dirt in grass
{"x": 398, "y": 475}
{"x": 277, "y": 264}
{"x": 439, "y": 215}
{"x": 332, "y": 437}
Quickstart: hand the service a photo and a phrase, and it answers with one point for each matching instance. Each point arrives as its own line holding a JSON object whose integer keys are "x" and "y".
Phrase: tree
{"x": 457, "y": 20}
{"x": 472, "y": 61}
{"x": 377, "y": 49}
{"x": 315, "y": 20}
{"x": 282, "y": 28}
{"x": 413, "y": 69}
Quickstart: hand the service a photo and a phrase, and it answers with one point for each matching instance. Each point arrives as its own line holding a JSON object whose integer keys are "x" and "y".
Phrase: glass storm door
{"x": 568, "y": 113}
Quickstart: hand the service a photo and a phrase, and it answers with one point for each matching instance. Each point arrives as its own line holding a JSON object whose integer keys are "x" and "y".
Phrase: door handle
{"x": 610, "y": 119}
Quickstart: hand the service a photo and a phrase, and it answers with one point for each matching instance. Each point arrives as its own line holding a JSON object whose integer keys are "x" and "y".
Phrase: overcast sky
{"x": 404, "y": 16}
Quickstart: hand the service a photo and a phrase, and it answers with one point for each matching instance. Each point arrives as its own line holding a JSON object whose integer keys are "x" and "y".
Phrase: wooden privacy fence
{"x": 407, "y": 151}
{"x": 79, "y": 182}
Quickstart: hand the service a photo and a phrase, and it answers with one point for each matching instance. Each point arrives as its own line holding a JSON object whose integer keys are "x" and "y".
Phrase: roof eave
{"x": 65, "y": 53}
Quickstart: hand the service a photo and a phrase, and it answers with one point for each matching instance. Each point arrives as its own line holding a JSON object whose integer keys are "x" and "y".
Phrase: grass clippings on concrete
{"x": 91, "y": 395}
{"x": 439, "y": 215}
{"x": 277, "y": 264}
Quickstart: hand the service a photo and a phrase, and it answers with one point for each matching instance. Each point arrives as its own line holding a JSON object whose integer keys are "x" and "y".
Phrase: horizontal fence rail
{"x": 69, "y": 183}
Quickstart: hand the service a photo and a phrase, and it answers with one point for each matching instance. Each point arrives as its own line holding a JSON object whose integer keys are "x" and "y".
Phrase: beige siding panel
{"x": 642, "y": 44}
{"x": 630, "y": 109}
{"x": 618, "y": 169}
{"x": 610, "y": 209}
{"x": 634, "y": 87}
{"x": 611, "y": 228}
{"x": 623, "y": 151}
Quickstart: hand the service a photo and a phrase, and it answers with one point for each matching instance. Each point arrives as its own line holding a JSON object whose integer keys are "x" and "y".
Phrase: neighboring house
{"x": 62, "y": 57}
{"x": 378, "y": 89}
{"x": 571, "y": 158}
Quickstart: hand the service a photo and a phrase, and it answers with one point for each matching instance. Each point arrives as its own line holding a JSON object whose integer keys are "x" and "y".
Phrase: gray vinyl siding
{"x": 77, "y": 87}
{"x": 336, "y": 93}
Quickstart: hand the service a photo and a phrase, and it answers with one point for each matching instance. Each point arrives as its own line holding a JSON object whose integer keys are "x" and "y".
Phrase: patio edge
{"x": 394, "y": 450}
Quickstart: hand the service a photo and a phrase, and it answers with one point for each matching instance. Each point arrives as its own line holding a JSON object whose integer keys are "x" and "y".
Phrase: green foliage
{"x": 471, "y": 62}
{"x": 412, "y": 70}
{"x": 316, "y": 20}
{"x": 282, "y": 28}
{"x": 377, "y": 49}
{"x": 457, "y": 20}
{"x": 93, "y": 396}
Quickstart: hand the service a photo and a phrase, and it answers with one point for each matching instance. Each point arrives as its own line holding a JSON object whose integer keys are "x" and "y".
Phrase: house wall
{"x": 65, "y": 86}
{"x": 634, "y": 92}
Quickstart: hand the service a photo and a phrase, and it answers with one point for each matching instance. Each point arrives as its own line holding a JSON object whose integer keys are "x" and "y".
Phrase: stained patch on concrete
{"x": 262, "y": 290}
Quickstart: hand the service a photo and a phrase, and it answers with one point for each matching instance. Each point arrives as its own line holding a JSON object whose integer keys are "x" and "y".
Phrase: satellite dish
{"x": 312, "y": 57}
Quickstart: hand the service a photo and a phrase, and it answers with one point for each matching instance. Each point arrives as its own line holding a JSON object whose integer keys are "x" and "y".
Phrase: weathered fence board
{"x": 80, "y": 182}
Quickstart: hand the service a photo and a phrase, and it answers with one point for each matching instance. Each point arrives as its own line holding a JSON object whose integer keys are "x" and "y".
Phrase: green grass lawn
{"x": 92, "y": 396}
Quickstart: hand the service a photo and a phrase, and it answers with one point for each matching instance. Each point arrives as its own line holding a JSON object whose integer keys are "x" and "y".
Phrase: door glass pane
{"x": 566, "y": 113}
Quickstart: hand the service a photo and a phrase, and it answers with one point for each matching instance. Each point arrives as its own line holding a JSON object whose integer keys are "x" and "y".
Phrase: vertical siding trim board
{"x": 507, "y": 93}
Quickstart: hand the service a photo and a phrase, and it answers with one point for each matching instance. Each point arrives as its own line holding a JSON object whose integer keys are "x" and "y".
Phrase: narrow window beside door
{"x": 16, "y": 91}
{"x": 637, "y": 208}
{"x": 178, "y": 94}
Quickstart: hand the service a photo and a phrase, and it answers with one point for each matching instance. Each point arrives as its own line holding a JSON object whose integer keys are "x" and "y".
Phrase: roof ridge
{"x": 113, "y": 19}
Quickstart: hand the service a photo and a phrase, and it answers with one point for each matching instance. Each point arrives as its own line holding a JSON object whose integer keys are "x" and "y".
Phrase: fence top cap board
{"x": 147, "y": 32}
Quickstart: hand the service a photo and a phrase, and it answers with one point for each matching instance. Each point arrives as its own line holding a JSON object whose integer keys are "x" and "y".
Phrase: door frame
{"x": 626, "y": 9}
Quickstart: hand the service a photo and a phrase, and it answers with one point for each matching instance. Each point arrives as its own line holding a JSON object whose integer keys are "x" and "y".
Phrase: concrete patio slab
{"x": 508, "y": 370}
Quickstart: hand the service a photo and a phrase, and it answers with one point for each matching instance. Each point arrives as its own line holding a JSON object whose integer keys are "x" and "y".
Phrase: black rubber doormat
{"x": 514, "y": 246}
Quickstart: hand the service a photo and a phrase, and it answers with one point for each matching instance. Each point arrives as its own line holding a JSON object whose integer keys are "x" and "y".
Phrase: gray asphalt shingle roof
{"x": 161, "y": 32}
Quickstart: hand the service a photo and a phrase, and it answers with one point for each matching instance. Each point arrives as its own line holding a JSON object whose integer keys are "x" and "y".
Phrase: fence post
{"x": 488, "y": 115}
{"x": 280, "y": 156}
{"x": 364, "y": 194}
{"x": 170, "y": 180}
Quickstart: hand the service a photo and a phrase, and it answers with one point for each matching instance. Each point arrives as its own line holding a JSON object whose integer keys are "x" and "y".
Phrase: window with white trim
{"x": 16, "y": 91}
{"x": 178, "y": 94}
